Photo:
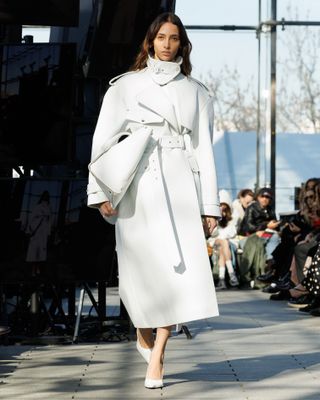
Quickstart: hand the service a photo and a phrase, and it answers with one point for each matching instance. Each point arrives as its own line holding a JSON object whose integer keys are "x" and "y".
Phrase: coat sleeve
{"x": 110, "y": 122}
{"x": 203, "y": 151}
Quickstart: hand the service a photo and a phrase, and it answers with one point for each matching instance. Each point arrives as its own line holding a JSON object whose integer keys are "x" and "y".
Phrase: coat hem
{"x": 172, "y": 323}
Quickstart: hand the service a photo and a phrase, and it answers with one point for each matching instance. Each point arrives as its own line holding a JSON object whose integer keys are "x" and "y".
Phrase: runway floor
{"x": 256, "y": 350}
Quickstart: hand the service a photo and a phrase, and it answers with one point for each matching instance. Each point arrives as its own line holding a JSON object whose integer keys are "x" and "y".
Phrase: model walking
{"x": 164, "y": 270}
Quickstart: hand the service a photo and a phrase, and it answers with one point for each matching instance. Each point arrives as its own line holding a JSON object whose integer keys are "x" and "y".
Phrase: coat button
{"x": 142, "y": 120}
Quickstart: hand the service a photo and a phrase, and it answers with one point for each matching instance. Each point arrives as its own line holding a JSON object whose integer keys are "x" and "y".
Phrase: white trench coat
{"x": 164, "y": 271}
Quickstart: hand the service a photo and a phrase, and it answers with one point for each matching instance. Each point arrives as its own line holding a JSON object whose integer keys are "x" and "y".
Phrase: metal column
{"x": 273, "y": 60}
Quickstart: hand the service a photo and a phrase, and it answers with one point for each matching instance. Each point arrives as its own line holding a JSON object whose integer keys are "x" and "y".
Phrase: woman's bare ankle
{"x": 155, "y": 369}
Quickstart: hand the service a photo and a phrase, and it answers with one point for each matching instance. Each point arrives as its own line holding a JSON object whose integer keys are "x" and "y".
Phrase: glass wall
{"x": 237, "y": 70}
{"x": 227, "y": 62}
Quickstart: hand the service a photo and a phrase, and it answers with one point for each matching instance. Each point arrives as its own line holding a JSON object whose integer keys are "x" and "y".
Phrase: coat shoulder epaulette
{"x": 114, "y": 80}
{"x": 199, "y": 83}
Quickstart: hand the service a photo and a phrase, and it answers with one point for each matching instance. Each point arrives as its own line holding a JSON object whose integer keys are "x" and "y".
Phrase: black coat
{"x": 256, "y": 219}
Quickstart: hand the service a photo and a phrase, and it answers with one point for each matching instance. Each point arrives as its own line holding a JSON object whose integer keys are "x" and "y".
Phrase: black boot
{"x": 315, "y": 312}
{"x": 314, "y": 303}
{"x": 282, "y": 295}
{"x": 268, "y": 277}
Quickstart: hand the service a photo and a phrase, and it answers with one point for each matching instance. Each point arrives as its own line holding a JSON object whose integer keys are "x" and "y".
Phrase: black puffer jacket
{"x": 256, "y": 219}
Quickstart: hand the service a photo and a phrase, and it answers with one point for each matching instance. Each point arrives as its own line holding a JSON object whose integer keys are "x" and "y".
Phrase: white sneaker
{"x": 221, "y": 285}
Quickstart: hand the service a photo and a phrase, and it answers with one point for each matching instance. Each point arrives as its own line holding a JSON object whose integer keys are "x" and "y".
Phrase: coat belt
{"x": 171, "y": 142}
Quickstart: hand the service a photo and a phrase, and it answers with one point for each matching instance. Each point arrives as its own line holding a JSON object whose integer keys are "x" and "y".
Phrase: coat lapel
{"x": 153, "y": 98}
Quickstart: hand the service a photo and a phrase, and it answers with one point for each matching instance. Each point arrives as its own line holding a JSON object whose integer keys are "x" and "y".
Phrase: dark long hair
{"x": 227, "y": 217}
{"x": 147, "y": 44}
{"x": 245, "y": 192}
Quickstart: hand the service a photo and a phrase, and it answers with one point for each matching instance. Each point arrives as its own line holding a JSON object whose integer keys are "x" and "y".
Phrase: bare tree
{"x": 298, "y": 101}
{"x": 235, "y": 102}
{"x": 298, "y": 88}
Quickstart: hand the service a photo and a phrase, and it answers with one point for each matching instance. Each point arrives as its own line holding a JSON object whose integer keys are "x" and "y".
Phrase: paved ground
{"x": 256, "y": 350}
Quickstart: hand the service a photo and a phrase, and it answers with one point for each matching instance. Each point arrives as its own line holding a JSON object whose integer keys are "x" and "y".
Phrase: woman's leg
{"x": 145, "y": 337}
{"x": 225, "y": 261}
{"x": 155, "y": 368}
{"x": 293, "y": 270}
{"x": 226, "y": 249}
{"x": 221, "y": 259}
{"x": 271, "y": 245}
{"x": 225, "y": 245}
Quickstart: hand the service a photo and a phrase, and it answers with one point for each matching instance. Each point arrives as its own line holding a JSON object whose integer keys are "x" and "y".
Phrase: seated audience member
{"x": 316, "y": 206}
{"x": 244, "y": 198}
{"x": 312, "y": 284}
{"x": 220, "y": 238}
{"x": 299, "y": 238}
{"x": 308, "y": 234}
{"x": 310, "y": 242}
{"x": 301, "y": 251}
{"x": 259, "y": 226}
{"x": 311, "y": 212}
{"x": 292, "y": 233}
{"x": 306, "y": 295}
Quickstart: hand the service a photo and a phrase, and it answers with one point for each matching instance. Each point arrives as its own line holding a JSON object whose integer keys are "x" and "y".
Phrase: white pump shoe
{"x": 146, "y": 353}
{"x": 153, "y": 383}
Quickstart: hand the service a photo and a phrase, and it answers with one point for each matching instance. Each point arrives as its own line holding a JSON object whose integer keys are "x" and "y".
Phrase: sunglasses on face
{"x": 309, "y": 197}
{"x": 266, "y": 196}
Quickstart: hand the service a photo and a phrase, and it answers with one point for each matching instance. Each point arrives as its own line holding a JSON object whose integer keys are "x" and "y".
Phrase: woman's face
{"x": 246, "y": 200}
{"x": 309, "y": 198}
{"x": 223, "y": 209}
{"x": 166, "y": 43}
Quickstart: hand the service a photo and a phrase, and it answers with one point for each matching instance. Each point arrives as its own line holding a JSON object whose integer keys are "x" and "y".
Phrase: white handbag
{"x": 115, "y": 167}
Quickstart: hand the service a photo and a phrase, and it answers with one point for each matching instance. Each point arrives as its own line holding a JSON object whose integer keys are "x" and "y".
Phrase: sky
{"x": 214, "y": 49}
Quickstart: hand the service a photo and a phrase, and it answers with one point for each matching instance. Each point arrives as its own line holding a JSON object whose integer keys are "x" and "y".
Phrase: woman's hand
{"x": 209, "y": 223}
{"x": 107, "y": 210}
{"x": 294, "y": 228}
{"x": 273, "y": 224}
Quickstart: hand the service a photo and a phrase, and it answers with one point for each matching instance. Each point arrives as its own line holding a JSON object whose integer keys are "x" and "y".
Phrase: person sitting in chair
{"x": 259, "y": 225}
